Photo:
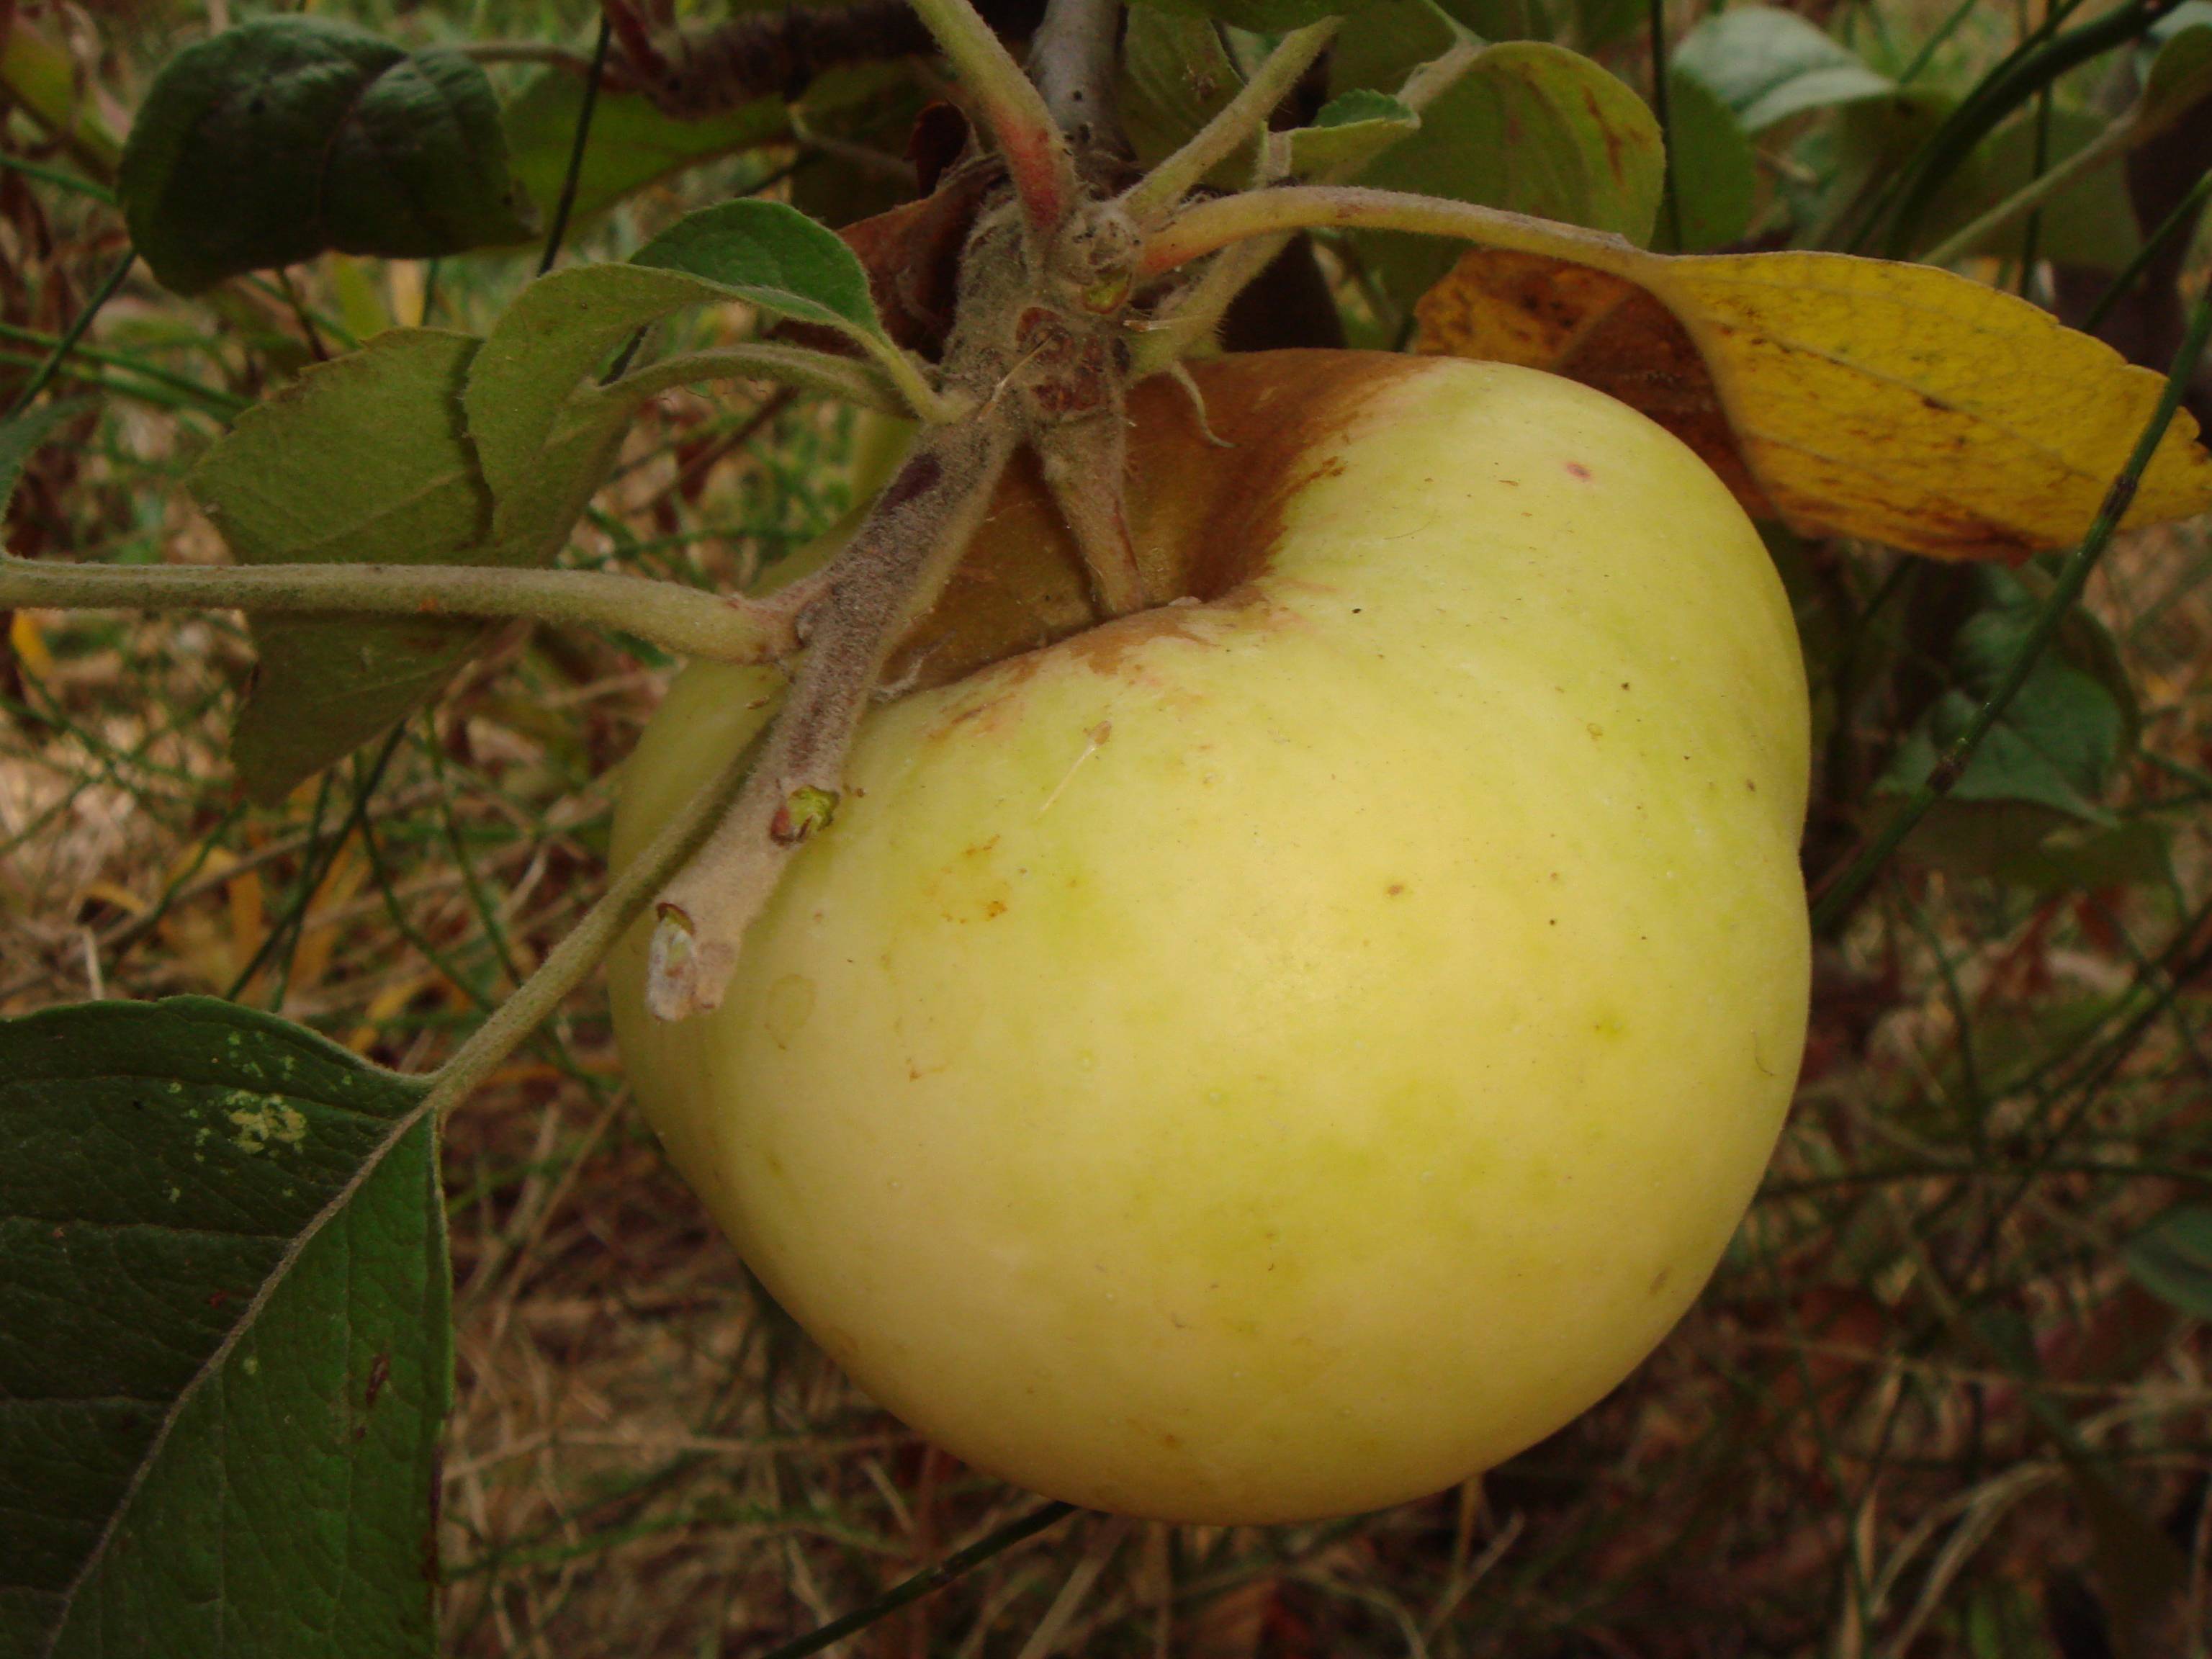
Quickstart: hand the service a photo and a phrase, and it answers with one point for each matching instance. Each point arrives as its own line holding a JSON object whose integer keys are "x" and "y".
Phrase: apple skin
{"x": 1272, "y": 1057}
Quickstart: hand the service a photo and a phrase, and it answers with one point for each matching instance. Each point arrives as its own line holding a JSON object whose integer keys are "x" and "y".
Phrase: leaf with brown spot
{"x": 1899, "y": 402}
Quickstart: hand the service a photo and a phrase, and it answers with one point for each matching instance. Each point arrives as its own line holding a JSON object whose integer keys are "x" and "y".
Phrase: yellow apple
{"x": 1278, "y": 1053}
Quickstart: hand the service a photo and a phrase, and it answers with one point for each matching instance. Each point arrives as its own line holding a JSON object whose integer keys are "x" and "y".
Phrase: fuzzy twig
{"x": 1038, "y": 159}
{"x": 1085, "y": 464}
{"x": 1208, "y": 226}
{"x": 1072, "y": 63}
{"x": 677, "y": 619}
{"x": 1197, "y": 313}
{"x": 1155, "y": 194}
{"x": 892, "y": 571}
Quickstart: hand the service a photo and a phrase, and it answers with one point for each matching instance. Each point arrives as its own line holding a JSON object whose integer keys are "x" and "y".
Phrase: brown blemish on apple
{"x": 1204, "y": 520}
{"x": 1577, "y": 470}
{"x": 787, "y": 1007}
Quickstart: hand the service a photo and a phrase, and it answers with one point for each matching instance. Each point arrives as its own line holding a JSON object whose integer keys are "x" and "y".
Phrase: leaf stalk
{"x": 677, "y": 619}
{"x": 1036, "y": 152}
{"x": 819, "y": 372}
{"x": 1155, "y": 196}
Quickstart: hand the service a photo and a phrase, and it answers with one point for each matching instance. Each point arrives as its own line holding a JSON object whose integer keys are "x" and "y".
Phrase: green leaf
{"x": 22, "y": 437}
{"x": 2181, "y": 73}
{"x": 1351, "y": 130}
{"x": 1175, "y": 76}
{"x": 285, "y": 136}
{"x": 2171, "y": 1259}
{"x": 360, "y": 460}
{"x": 1716, "y": 172}
{"x": 2063, "y": 735}
{"x": 564, "y": 328}
{"x": 226, "y": 1345}
{"x": 2038, "y": 849}
{"x": 1393, "y": 38}
{"x": 1602, "y": 23}
{"x": 2090, "y": 224}
{"x": 771, "y": 256}
{"x": 874, "y": 107}
{"x": 1362, "y": 105}
{"x": 1505, "y": 19}
{"x": 1260, "y": 17}
{"x": 1768, "y": 65}
{"x": 1531, "y": 127}
{"x": 561, "y": 331}
{"x": 632, "y": 144}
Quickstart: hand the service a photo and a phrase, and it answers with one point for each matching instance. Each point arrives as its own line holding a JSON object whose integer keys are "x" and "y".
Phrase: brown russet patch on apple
{"x": 1204, "y": 518}
{"x": 1109, "y": 650}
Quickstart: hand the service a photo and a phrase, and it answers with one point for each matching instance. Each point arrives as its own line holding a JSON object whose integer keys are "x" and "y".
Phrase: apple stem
{"x": 894, "y": 569}
{"x": 677, "y": 619}
{"x": 1155, "y": 196}
{"x": 1085, "y": 464}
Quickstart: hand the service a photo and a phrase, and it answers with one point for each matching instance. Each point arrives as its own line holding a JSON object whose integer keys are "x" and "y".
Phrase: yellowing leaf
{"x": 1848, "y": 397}
{"x": 1593, "y": 326}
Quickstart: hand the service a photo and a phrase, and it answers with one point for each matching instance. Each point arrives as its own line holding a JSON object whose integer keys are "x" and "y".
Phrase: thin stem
{"x": 60, "y": 180}
{"x": 1071, "y": 61}
{"x": 1952, "y": 765}
{"x": 1197, "y": 312}
{"x": 574, "y": 959}
{"x": 145, "y": 391}
{"x": 2140, "y": 127}
{"x": 921, "y": 399}
{"x": 796, "y": 366}
{"x": 928, "y": 1579}
{"x": 675, "y": 618}
{"x": 1430, "y": 81}
{"x": 1933, "y": 42}
{"x": 575, "y": 172}
{"x": 1035, "y": 151}
{"x": 1153, "y": 197}
{"x": 46, "y": 370}
{"x": 2174, "y": 223}
{"x": 1998, "y": 94}
{"x": 300, "y": 314}
{"x": 1656, "y": 25}
{"x": 212, "y": 395}
{"x": 1201, "y": 229}
{"x": 2030, "y": 235}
